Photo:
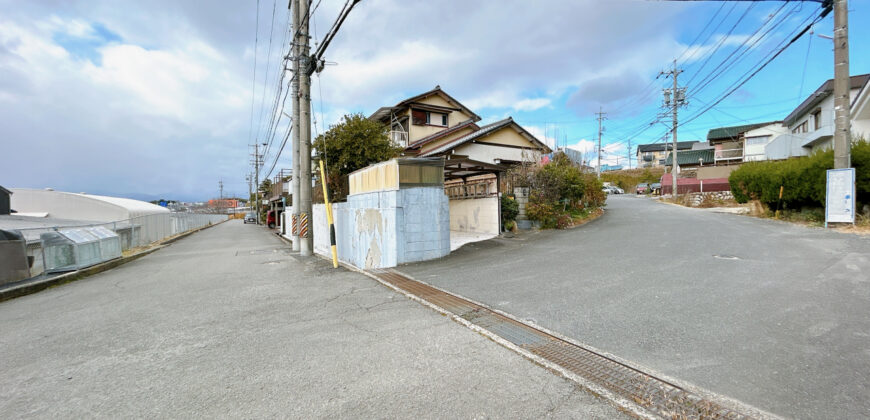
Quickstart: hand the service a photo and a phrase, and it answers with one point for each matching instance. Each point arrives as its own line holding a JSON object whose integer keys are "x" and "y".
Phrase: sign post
{"x": 840, "y": 196}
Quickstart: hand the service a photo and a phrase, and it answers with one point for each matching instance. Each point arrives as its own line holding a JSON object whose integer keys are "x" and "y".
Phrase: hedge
{"x": 802, "y": 179}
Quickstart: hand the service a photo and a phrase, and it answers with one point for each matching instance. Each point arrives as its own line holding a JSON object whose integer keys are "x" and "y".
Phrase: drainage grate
{"x": 659, "y": 397}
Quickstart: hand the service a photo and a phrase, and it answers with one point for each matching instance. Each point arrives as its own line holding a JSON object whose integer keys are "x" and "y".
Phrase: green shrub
{"x": 560, "y": 188}
{"x": 509, "y": 208}
{"x": 542, "y": 210}
{"x": 802, "y": 179}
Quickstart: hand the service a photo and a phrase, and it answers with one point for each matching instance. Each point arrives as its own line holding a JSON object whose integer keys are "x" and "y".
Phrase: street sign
{"x": 840, "y": 196}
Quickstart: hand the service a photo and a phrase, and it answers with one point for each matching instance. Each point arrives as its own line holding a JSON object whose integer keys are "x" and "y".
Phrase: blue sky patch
{"x": 85, "y": 47}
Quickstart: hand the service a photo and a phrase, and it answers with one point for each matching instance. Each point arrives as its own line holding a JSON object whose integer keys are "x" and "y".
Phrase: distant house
{"x": 729, "y": 142}
{"x": 654, "y": 155}
{"x": 756, "y": 141}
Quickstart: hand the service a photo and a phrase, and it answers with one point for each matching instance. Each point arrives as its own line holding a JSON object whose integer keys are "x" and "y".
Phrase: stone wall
{"x": 695, "y": 199}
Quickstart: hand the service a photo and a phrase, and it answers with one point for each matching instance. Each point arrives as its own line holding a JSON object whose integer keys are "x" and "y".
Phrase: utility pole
{"x": 675, "y": 98}
{"x": 257, "y": 161}
{"x": 294, "y": 145}
{"x": 221, "y": 186}
{"x": 601, "y": 118}
{"x": 248, "y": 179}
{"x": 629, "y": 153}
{"x": 842, "y": 111}
{"x": 306, "y": 243}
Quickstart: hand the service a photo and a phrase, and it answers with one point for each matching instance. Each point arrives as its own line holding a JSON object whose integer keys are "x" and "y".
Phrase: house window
{"x": 817, "y": 119}
{"x": 755, "y": 141}
{"x": 433, "y": 118}
{"x": 419, "y": 117}
{"x": 802, "y": 128}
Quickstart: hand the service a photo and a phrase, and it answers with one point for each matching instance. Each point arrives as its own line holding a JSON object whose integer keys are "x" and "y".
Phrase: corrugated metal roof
{"x": 734, "y": 131}
{"x": 690, "y": 157}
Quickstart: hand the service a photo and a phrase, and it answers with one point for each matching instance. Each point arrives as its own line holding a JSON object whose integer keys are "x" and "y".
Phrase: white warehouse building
{"x": 146, "y": 222}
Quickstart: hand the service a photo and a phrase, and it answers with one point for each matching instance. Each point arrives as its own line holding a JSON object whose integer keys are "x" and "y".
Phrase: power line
{"x": 268, "y": 61}
{"x": 254, "y": 78}
{"x": 758, "y": 68}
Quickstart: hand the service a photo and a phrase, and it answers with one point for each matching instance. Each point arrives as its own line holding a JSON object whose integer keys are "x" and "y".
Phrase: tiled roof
{"x": 660, "y": 147}
{"x": 725, "y": 133}
{"x": 690, "y": 157}
{"x": 384, "y": 112}
{"x": 484, "y": 130}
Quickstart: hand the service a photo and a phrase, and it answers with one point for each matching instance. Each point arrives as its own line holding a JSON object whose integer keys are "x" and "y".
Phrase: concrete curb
{"x": 30, "y": 287}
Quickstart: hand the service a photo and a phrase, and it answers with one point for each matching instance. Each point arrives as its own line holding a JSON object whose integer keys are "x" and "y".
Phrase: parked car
{"x": 642, "y": 188}
{"x": 656, "y": 188}
{"x": 250, "y": 217}
{"x": 617, "y": 190}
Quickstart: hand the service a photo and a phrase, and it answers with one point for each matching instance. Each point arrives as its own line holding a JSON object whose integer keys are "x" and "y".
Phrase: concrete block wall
{"x": 386, "y": 228}
{"x": 474, "y": 215}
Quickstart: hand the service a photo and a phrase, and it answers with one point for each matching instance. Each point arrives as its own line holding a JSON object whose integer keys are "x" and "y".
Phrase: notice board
{"x": 840, "y": 196}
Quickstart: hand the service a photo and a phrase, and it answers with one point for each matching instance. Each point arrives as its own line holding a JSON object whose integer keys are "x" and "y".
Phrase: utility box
{"x": 14, "y": 265}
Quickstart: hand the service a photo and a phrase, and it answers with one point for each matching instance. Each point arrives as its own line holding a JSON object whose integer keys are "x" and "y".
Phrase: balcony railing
{"x": 729, "y": 154}
{"x": 399, "y": 138}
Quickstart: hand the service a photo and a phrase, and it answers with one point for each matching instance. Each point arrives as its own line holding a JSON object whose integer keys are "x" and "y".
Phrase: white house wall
{"x": 474, "y": 215}
{"x": 489, "y": 154}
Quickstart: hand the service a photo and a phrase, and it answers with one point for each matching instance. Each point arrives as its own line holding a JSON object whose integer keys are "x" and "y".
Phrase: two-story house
{"x": 654, "y": 155}
{"x": 730, "y": 142}
{"x": 812, "y": 122}
{"x": 434, "y": 124}
{"x": 810, "y": 126}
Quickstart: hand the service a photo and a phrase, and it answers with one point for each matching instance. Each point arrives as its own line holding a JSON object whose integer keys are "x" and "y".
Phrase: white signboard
{"x": 840, "y": 196}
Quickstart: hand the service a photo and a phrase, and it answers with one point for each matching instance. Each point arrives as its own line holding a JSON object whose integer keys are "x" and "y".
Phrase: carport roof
{"x": 459, "y": 167}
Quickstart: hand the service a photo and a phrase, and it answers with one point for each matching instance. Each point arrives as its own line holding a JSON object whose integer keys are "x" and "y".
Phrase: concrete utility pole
{"x": 306, "y": 242}
{"x": 294, "y": 145}
{"x": 629, "y": 153}
{"x": 221, "y": 186}
{"x": 257, "y": 162}
{"x": 601, "y": 118}
{"x": 842, "y": 105}
{"x": 248, "y": 179}
{"x": 676, "y": 99}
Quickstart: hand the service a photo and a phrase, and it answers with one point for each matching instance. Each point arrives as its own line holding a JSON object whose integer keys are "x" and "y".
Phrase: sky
{"x": 161, "y": 99}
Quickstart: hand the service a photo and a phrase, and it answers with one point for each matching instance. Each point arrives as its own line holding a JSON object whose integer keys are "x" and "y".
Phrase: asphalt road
{"x": 226, "y": 324}
{"x": 769, "y": 313}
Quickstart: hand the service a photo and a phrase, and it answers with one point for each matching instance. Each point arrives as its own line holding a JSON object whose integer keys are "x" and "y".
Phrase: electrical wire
{"x": 254, "y": 78}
